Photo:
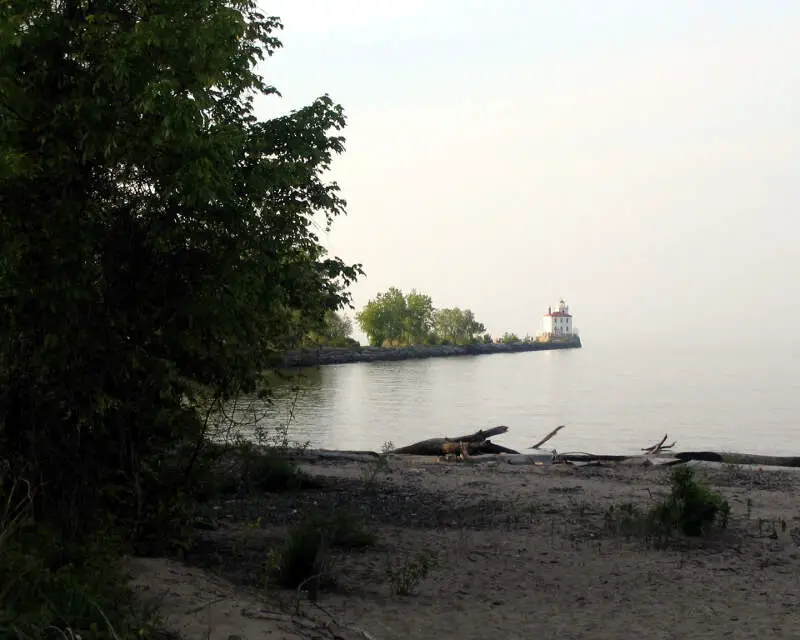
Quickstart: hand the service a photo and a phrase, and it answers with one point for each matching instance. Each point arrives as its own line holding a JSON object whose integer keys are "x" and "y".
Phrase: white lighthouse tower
{"x": 557, "y": 324}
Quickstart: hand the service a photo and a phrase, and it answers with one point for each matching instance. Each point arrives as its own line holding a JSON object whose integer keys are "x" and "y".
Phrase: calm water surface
{"x": 612, "y": 400}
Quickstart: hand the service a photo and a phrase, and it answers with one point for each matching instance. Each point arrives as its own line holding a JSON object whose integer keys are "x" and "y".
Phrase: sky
{"x": 639, "y": 159}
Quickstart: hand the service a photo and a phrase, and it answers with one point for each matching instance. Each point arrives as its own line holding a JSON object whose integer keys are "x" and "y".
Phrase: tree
{"x": 509, "y": 338}
{"x": 335, "y": 331}
{"x": 457, "y": 326}
{"x": 156, "y": 237}
{"x": 419, "y": 317}
{"x": 384, "y": 318}
{"x": 397, "y": 319}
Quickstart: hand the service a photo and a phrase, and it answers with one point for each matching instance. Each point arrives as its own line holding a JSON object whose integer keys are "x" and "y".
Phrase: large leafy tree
{"x": 419, "y": 317}
{"x": 155, "y": 235}
{"x": 457, "y": 326}
{"x": 384, "y": 317}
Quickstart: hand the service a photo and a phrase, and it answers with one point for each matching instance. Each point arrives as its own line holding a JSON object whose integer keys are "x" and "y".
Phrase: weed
{"x": 306, "y": 554}
{"x": 371, "y": 470}
{"x": 405, "y": 578}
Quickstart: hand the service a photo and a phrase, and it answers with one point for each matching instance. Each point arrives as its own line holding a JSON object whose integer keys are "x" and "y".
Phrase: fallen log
{"x": 738, "y": 458}
{"x": 473, "y": 444}
{"x": 515, "y": 458}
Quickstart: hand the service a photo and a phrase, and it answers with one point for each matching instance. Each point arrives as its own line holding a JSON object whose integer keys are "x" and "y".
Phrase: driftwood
{"x": 658, "y": 447}
{"x": 463, "y": 446}
{"x": 738, "y": 458}
{"x": 478, "y": 448}
{"x": 516, "y": 458}
{"x": 548, "y": 436}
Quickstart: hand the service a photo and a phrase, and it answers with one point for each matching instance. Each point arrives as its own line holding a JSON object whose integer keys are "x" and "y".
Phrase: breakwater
{"x": 333, "y": 355}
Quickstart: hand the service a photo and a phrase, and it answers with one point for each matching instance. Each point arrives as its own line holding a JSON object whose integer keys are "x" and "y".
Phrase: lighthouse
{"x": 557, "y": 323}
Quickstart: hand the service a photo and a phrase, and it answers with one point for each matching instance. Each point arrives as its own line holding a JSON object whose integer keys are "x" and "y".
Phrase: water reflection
{"x": 611, "y": 400}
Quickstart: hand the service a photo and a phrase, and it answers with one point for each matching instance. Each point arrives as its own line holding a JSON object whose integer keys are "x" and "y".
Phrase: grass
{"x": 306, "y": 554}
{"x": 406, "y": 576}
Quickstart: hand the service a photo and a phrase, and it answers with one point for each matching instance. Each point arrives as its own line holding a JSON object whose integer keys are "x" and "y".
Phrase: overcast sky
{"x": 639, "y": 158}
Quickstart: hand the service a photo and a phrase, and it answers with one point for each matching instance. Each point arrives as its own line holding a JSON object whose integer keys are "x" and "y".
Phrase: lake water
{"x": 613, "y": 399}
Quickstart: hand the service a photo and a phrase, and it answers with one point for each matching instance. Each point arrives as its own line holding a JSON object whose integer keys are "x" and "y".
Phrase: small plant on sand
{"x": 691, "y": 508}
{"x": 305, "y": 556}
{"x": 405, "y": 577}
{"x": 372, "y": 469}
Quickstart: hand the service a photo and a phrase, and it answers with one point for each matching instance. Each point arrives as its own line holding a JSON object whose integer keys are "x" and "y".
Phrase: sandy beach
{"x": 520, "y": 552}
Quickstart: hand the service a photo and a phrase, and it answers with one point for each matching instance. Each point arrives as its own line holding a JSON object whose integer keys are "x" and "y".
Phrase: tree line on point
{"x": 395, "y": 319}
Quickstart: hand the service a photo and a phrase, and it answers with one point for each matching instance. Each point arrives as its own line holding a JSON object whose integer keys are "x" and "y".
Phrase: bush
{"x": 692, "y": 508}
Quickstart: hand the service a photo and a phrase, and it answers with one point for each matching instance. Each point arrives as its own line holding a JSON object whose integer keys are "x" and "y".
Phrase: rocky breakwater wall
{"x": 330, "y": 355}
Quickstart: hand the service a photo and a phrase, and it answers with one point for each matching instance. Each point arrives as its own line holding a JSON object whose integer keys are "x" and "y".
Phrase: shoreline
{"x": 548, "y": 543}
{"x": 343, "y": 355}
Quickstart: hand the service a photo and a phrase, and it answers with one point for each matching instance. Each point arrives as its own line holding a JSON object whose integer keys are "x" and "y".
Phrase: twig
{"x": 548, "y": 436}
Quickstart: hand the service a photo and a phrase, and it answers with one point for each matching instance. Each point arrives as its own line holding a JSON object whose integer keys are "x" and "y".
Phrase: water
{"x": 613, "y": 400}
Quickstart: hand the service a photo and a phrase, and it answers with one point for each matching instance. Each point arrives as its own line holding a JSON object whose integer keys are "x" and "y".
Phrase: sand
{"x": 524, "y": 552}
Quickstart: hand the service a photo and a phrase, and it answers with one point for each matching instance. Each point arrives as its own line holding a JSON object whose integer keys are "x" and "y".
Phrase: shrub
{"x": 692, "y": 508}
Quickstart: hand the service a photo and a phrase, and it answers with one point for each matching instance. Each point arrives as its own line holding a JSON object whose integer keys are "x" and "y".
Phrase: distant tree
{"x": 509, "y": 338}
{"x": 456, "y": 326}
{"x": 335, "y": 330}
{"x": 419, "y": 317}
{"x": 384, "y": 318}
{"x": 392, "y": 318}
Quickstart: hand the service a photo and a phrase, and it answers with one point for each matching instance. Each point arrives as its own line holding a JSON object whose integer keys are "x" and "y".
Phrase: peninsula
{"x": 557, "y": 333}
{"x": 346, "y": 355}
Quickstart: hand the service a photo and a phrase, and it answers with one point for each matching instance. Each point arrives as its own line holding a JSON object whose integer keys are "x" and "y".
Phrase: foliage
{"x": 456, "y": 326}
{"x": 156, "y": 239}
{"x": 418, "y": 321}
{"x": 405, "y": 578}
{"x": 509, "y": 338}
{"x": 384, "y": 318}
{"x": 306, "y": 553}
{"x": 336, "y": 330}
{"x": 392, "y": 318}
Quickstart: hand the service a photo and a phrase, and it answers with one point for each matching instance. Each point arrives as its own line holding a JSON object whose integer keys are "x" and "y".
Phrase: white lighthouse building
{"x": 557, "y": 323}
